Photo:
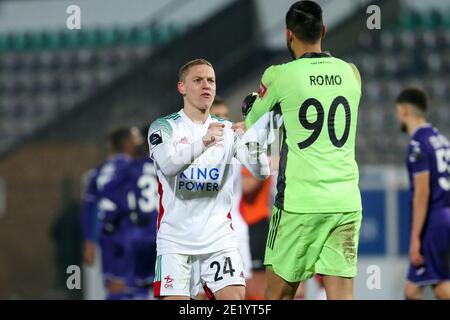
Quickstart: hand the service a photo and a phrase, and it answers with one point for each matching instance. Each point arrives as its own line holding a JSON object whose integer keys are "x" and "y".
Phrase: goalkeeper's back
{"x": 318, "y": 96}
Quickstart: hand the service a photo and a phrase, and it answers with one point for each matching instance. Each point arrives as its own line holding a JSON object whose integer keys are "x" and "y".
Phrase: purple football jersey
{"x": 429, "y": 151}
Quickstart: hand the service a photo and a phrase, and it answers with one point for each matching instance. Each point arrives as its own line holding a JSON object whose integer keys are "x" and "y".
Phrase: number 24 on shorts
{"x": 227, "y": 268}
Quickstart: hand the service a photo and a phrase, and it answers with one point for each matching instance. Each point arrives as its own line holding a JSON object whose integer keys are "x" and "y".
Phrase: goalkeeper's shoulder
{"x": 355, "y": 72}
{"x": 270, "y": 73}
{"x": 352, "y": 66}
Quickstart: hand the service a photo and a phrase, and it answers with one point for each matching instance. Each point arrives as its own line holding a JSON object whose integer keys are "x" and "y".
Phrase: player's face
{"x": 220, "y": 111}
{"x": 199, "y": 86}
{"x": 402, "y": 113}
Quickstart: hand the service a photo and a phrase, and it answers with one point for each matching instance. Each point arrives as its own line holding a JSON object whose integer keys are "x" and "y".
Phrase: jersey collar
{"x": 192, "y": 124}
{"x": 422, "y": 126}
{"x": 117, "y": 156}
{"x": 324, "y": 54}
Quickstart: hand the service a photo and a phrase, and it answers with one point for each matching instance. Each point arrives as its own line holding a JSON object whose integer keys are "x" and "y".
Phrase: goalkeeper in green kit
{"x": 317, "y": 212}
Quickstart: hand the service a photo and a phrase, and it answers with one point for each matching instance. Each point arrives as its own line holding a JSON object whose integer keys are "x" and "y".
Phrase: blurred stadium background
{"x": 62, "y": 91}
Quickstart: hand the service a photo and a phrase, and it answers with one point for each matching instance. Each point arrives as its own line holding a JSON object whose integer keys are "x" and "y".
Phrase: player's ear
{"x": 181, "y": 89}
{"x": 409, "y": 110}
{"x": 289, "y": 35}
{"x": 324, "y": 32}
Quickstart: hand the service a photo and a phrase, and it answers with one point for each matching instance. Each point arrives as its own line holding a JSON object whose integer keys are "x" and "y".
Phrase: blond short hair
{"x": 185, "y": 68}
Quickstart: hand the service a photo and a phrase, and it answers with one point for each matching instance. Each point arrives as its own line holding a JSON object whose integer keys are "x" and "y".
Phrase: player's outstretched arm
{"x": 255, "y": 105}
{"x": 171, "y": 159}
{"x": 255, "y": 159}
{"x": 251, "y": 152}
{"x": 88, "y": 212}
{"x": 88, "y": 218}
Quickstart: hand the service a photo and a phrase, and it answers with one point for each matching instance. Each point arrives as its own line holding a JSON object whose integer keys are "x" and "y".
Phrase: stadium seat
{"x": 393, "y": 88}
{"x": 434, "y": 63}
{"x": 407, "y": 39}
{"x": 387, "y": 41}
{"x": 52, "y": 40}
{"x": 109, "y": 37}
{"x": 410, "y": 20}
{"x": 446, "y": 61}
{"x": 146, "y": 36}
{"x": 4, "y": 44}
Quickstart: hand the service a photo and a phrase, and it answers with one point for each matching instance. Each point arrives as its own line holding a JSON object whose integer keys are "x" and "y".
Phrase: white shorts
{"x": 243, "y": 242}
{"x": 182, "y": 275}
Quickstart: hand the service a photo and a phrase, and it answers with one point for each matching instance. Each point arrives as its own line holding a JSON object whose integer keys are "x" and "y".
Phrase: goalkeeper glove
{"x": 247, "y": 104}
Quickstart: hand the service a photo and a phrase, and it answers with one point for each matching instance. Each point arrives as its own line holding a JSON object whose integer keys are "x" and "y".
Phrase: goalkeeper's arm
{"x": 251, "y": 152}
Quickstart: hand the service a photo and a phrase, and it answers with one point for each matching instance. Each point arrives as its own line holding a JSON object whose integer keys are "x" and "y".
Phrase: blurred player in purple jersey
{"x": 428, "y": 165}
{"x": 143, "y": 201}
{"x": 89, "y": 216}
{"x": 113, "y": 184}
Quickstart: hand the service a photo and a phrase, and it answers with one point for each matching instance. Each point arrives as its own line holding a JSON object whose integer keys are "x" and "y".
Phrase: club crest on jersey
{"x": 155, "y": 138}
{"x": 262, "y": 90}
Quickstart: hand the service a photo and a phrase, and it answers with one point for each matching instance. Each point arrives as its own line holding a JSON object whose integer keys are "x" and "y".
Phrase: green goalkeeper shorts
{"x": 300, "y": 245}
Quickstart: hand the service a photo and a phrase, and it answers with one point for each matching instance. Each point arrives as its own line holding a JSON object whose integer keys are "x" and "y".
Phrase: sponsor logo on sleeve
{"x": 262, "y": 90}
{"x": 155, "y": 138}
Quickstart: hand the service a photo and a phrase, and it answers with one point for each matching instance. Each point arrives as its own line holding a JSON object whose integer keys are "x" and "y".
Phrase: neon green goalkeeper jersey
{"x": 318, "y": 96}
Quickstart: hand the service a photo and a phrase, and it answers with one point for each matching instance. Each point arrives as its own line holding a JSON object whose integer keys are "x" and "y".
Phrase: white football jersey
{"x": 239, "y": 224}
{"x": 195, "y": 203}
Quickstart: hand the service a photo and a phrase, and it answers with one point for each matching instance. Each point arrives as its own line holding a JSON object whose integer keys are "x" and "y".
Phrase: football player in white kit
{"x": 193, "y": 154}
{"x": 220, "y": 109}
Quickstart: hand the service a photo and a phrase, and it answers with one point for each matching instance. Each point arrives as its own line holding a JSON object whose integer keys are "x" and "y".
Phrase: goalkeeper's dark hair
{"x": 416, "y": 97}
{"x": 304, "y": 19}
{"x": 118, "y": 138}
